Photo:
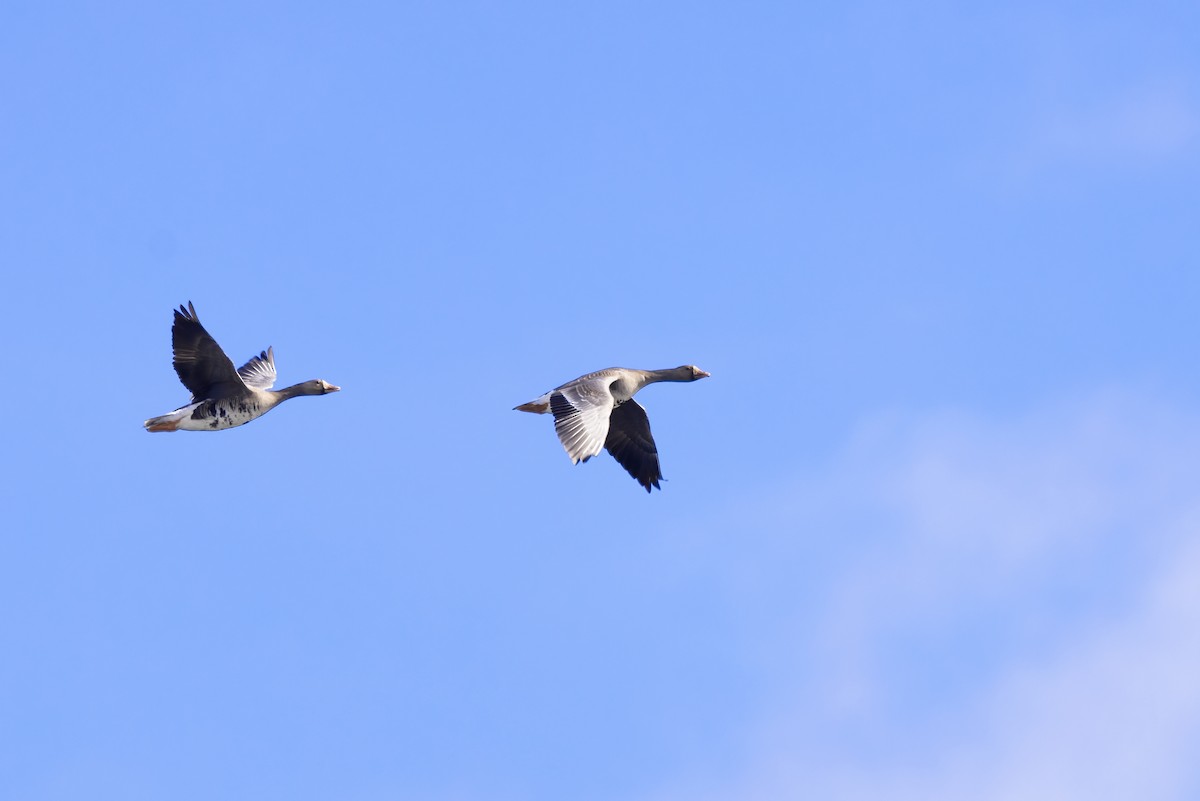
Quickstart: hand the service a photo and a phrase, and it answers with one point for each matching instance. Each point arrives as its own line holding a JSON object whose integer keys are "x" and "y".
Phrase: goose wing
{"x": 581, "y": 410}
{"x": 631, "y": 444}
{"x": 199, "y": 361}
{"x": 259, "y": 372}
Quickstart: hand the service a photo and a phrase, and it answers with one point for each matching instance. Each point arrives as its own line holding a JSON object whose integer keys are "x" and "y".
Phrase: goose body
{"x": 597, "y": 411}
{"x": 222, "y": 397}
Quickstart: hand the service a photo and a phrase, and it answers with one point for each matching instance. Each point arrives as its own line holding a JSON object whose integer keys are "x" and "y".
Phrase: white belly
{"x": 217, "y": 415}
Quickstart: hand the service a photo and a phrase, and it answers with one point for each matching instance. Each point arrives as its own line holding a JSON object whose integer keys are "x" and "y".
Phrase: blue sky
{"x": 930, "y": 529}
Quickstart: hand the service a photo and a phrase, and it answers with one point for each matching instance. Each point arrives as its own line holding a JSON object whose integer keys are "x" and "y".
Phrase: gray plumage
{"x": 597, "y": 411}
{"x": 222, "y": 397}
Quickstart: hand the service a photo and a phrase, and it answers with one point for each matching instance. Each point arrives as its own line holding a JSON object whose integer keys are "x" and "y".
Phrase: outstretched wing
{"x": 581, "y": 413}
{"x": 200, "y": 363}
{"x": 259, "y": 372}
{"x": 630, "y": 443}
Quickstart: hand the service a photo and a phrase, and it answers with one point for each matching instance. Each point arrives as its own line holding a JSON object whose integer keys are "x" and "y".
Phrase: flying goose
{"x": 221, "y": 396}
{"x": 597, "y": 411}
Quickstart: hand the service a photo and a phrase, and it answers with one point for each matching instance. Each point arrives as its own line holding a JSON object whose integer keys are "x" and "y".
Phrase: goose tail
{"x": 166, "y": 422}
{"x": 538, "y": 406}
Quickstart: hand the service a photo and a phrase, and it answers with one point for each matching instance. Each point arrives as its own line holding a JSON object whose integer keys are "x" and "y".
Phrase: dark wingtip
{"x": 187, "y": 312}
{"x": 649, "y": 483}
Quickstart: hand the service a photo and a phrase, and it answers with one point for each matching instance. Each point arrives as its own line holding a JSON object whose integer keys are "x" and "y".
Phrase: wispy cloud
{"x": 1146, "y": 125}
{"x": 1013, "y": 616}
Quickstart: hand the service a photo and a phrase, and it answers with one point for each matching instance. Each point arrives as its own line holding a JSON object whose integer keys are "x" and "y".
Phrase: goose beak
{"x": 331, "y": 388}
{"x": 701, "y": 374}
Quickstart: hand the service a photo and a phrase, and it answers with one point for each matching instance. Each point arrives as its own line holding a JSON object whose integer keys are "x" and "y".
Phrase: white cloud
{"x": 1014, "y": 614}
{"x": 1117, "y": 713}
{"x": 1115, "y": 130}
{"x": 1152, "y": 123}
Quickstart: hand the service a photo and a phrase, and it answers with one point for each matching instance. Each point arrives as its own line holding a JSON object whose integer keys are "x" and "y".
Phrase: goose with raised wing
{"x": 222, "y": 397}
{"x": 598, "y": 411}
